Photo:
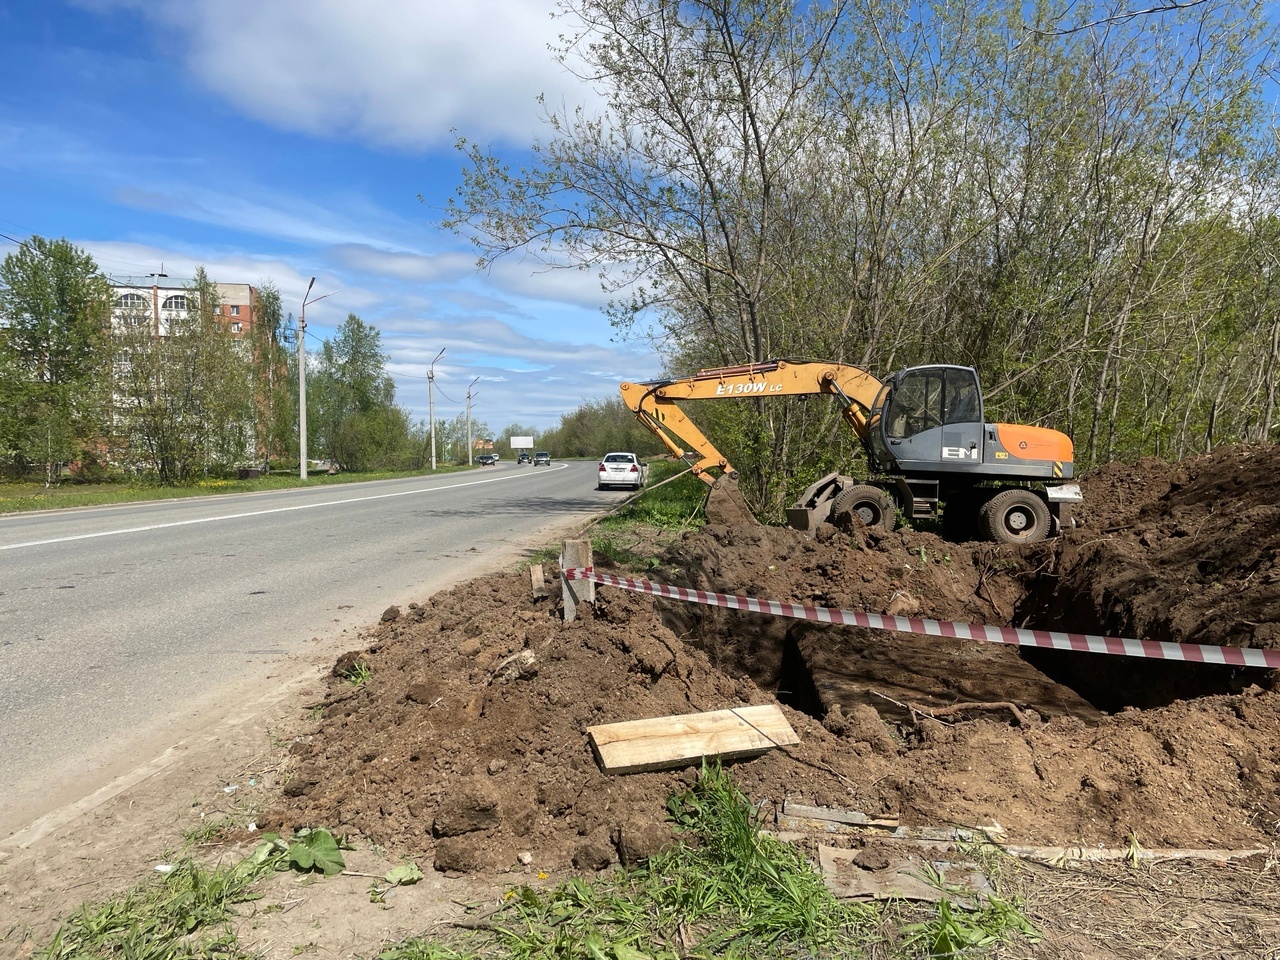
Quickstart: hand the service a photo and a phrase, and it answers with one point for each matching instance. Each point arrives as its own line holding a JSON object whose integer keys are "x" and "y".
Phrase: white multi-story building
{"x": 158, "y": 301}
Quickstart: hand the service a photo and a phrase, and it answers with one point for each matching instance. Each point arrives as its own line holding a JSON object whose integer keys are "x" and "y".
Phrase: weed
{"x": 310, "y": 850}
{"x": 668, "y": 506}
{"x": 543, "y": 555}
{"x": 734, "y": 892}
{"x": 162, "y": 918}
{"x": 358, "y": 673}
{"x": 956, "y": 931}
{"x": 1133, "y": 853}
{"x": 206, "y": 831}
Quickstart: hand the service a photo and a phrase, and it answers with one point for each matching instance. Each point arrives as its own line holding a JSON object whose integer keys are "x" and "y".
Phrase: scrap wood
{"x": 633, "y": 746}
{"x": 1085, "y": 854}
{"x": 798, "y": 817}
{"x": 901, "y": 870}
{"x": 933, "y": 713}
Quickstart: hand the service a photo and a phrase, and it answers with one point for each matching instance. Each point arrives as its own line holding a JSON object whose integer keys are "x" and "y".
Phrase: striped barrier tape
{"x": 1052, "y": 639}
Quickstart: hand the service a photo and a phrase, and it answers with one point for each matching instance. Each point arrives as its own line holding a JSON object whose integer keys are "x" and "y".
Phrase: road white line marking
{"x": 259, "y": 513}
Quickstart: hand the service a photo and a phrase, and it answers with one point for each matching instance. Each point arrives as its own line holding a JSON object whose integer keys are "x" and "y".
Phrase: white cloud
{"x": 403, "y": 265}
{"x": 394, "y": 72}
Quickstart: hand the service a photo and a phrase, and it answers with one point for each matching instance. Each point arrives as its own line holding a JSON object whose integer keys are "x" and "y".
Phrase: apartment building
{"x": 158, "y": 302}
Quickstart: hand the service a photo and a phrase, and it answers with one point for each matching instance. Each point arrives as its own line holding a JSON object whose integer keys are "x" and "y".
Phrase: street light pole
{"x": 302, "y": 379}
{"x": 431, "y": 405}
{"x": 470, "y": 444}
{"x": 302, "y": 384}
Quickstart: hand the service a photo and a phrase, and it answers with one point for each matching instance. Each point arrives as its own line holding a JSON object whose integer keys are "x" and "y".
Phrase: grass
{"x": 726, "y": 890}
{"x": 22, "y": 497}
{"x": 670, "y": 503}
{"x": 672, "y": 506}
{"x": 730, "y": 892}
{"x": 184, "y": 914}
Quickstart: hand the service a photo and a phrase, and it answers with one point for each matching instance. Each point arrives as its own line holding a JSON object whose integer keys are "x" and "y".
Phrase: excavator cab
{"x": 928, "y": 419}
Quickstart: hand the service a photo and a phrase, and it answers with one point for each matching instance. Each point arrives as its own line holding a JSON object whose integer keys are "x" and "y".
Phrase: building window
{"x": 235, "y": 327}
{"x": 178, "y": 302}
{"x": 235, "y": 311}
{"x": 131, "y": 301}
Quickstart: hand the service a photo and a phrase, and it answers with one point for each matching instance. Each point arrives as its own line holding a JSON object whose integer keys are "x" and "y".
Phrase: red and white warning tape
{"x": 1079, "y": 642}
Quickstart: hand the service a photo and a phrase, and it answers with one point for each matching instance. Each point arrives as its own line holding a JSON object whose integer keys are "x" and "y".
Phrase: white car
{"x": 622, "y": 470}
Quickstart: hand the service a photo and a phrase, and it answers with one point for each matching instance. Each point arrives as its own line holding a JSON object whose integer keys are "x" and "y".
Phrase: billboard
{"x": 522, "y": 443}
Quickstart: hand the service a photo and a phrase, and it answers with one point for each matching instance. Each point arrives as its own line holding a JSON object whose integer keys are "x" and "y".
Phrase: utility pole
{"x": 302, "y": 384}
{"x": 431, "y": 405}
{"x": 470, "y": 444}
{"x": 302, "y": 379}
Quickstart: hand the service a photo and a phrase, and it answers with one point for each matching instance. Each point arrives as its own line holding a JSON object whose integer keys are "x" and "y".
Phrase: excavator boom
{"x": 656, "y": 402}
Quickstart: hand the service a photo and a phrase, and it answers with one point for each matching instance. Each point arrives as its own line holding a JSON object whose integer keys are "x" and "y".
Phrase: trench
{"x": 813, "y": 667}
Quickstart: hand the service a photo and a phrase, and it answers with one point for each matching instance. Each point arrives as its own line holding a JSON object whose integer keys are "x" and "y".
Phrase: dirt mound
{"x": 468, "y": 743}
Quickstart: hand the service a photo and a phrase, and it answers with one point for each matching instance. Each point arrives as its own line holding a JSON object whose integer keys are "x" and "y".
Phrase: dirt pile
{"x": 468, "y": 743}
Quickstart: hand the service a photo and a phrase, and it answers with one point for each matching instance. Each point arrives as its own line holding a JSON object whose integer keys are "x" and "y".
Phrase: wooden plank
{"x": 659, "y": 743}
{"x": 900, "y": 872}
{"x": 830, "y": 819}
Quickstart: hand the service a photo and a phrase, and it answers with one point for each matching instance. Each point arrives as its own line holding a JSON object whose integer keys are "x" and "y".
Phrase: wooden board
{"x": 902, "y": 873}
{"x": 656, "y": 744}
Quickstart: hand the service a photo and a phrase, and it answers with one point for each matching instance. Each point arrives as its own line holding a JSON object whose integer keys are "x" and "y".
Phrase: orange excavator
{"x": 930, "y": 451}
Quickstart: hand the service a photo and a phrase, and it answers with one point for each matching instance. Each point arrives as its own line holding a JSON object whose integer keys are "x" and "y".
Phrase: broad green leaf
{"x": 404, "y": 874}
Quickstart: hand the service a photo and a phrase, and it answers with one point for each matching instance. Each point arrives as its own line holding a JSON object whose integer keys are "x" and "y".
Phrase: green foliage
{"x": 1086, "y": 216}
{"x": 733, "y": 891}
{"x": 184, "y": 400}
{"x": 54, "y": 381}
{"x": 351, "y": 401}
{"x": 958, "y": 932}
{"x": 667, "y": 505}
{"x": 309, "y": 851}
{"x": 595, "y": 428}
{"x": 358, "y": 674}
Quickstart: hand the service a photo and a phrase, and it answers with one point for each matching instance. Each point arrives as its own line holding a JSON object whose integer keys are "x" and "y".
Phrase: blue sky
{"x": 281, "y": 139}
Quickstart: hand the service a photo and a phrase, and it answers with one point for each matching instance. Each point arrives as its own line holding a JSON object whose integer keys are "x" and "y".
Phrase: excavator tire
{"x": 1016, "y": 516}
{"x": 865, "y": 504}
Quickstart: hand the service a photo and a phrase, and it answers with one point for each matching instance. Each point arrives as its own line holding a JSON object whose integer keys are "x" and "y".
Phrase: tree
{"x": 54, "y": 317}
{"x": 357, "y": 421}
{"x": 890, "y": 184}
{"x": 184, "y": 395}
{"x": 274, "y": 386}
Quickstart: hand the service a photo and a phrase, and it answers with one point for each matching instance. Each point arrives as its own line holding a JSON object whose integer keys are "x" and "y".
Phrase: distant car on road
{"x": 487, "y": 459}
{"x": 622, "y": 470}
{"x": 523, "y": 457}
{"x": 542, "y": 458}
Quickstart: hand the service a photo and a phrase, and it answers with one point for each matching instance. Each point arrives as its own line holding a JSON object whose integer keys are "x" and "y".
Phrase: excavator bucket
{"x": 725, "y": 504}
{"x": 814, "y": 505}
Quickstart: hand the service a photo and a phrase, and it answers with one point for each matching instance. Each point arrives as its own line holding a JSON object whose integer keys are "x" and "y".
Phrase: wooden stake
{"x": 577, "y": 553}
{"x": 537, "y": 581}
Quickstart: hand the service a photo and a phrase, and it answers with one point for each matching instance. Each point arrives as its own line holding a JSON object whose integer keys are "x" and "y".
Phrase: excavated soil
{"x": 468, "y": 743}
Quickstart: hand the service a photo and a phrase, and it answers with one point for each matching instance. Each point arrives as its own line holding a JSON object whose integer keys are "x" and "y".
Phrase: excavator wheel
{"x": 869, "y": 505}
{"x": 1016, "y": 516}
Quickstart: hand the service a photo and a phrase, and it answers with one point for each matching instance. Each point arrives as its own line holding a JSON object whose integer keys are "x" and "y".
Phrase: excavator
{"x": 929, "y": 449}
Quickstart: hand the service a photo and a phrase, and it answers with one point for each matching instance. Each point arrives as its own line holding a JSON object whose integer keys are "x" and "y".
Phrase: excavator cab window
{"x": 927, "y": 397}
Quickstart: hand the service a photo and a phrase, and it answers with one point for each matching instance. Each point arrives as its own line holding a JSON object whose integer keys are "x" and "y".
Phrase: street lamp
{"x": 470, "y": 445}
{"x": 431, "y": 404}
{"x": 302, "y": 378}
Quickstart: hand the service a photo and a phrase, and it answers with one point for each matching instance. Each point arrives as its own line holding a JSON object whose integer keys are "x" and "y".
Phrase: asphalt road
{"x": 124, "y": 628}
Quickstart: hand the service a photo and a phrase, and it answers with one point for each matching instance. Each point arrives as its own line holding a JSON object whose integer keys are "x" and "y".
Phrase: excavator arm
{"x": 656, "y": 403}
